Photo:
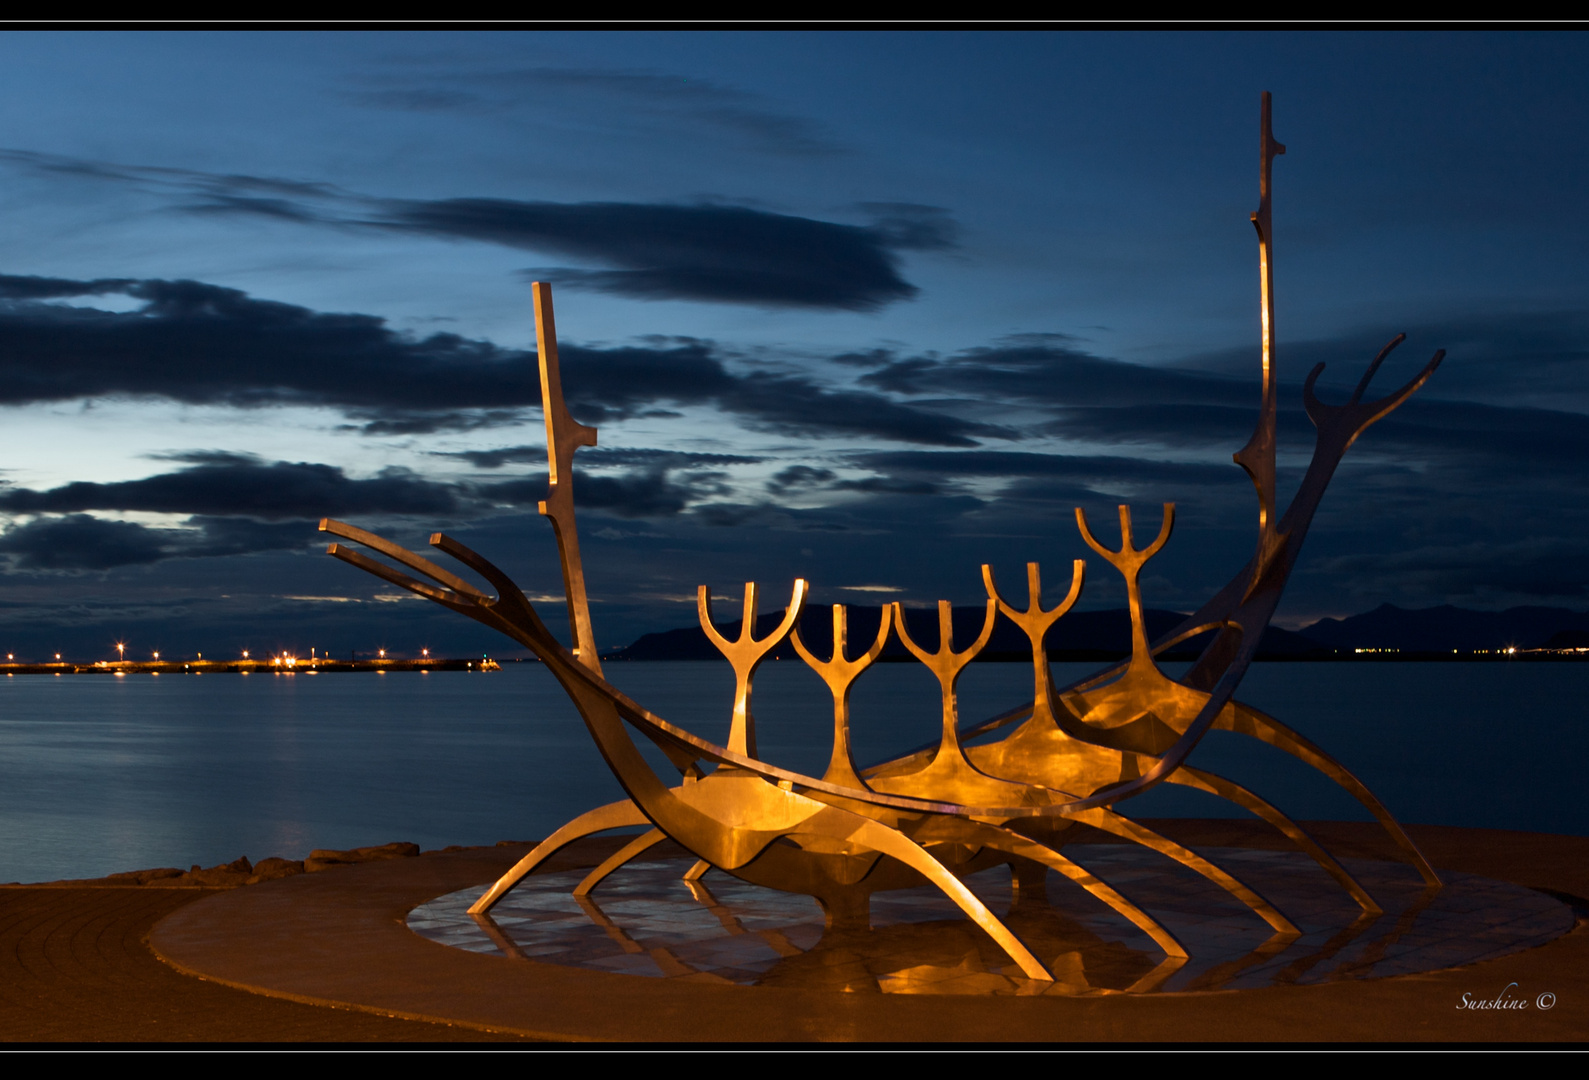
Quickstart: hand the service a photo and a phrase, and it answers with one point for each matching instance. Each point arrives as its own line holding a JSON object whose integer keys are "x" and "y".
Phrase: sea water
{"x": 100, "y": 774}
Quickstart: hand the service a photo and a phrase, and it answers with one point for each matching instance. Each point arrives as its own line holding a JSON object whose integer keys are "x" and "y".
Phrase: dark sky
{"x": 868, "y": 308}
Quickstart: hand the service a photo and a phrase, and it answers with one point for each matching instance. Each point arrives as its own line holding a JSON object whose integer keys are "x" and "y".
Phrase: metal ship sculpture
{"x": 1076, "y": 755}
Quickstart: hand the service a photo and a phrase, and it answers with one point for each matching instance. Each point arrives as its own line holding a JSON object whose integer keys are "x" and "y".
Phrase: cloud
{"x": 234, "y": 485}
{"x": 223, "y": 202}
{"x": 1482, "y": 436}
{"x": 1047, "y": 369}
{"x": 82, "y": 542}
{"x": 1526, "y": 359}
{"x": 48, "y": 288}
{"x": 1449, "y": 500}
{"x": 1532, "y": 416}
{"x": 628, "y": 99}
{"x": 644, "y": 493}
{"x": 197, "y": 191}
{"x": 231, "y": 497}
{"x": 415, "y": 422}
{"x": 1088, "y": 398}
{"x": 1018, "y": 464}
{"x": 807, "y": 478}
{"x": 886, "y": 485}
{"x": 709, "y": 252}
{"x": 796, "y": 477}
{"x": 724, "y": 254}
{"x": 219, "y": 536}
{"x": 204, "y": 344}
{"x": 599, "y": 457}
{"x": 795, "y": 405}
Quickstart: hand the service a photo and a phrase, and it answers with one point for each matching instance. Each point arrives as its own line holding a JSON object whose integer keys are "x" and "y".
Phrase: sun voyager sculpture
{"x": 1076, "y": 755}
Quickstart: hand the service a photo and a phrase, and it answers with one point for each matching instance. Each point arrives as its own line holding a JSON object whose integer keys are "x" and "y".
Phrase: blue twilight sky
{"x": 869, "y": 308}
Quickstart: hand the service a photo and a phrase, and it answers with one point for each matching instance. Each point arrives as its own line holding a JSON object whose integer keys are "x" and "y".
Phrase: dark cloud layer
{"x": 231, "y": 504}
{"x": 82, "y": 542}
{"x": 640, "y": 494}
{"x": 1476, "y": 500}
{"x": 203, "y": 344}
{"x": 235, "y": 505}
{"x": 654, "y": 251}
{"x": 598, "y": 456}
{"x": 1049, "y": 369}
{"x": 725, "y": 254}
{"x": 1007, "y": 463}
{"x": 226, "y": 484}
{"x": 709, "y": 252}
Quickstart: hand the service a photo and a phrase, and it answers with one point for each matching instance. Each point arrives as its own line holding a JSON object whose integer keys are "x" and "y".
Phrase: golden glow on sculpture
{"x": 1073, "y": 755}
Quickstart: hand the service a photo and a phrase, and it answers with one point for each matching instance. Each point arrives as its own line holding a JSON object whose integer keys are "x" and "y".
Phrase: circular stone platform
{"x": 645, "y": 920}
{"x": 342, "y": 938}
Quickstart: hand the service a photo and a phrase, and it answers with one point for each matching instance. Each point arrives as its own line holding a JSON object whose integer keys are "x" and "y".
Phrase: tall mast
{"x": 1258, "y": 456}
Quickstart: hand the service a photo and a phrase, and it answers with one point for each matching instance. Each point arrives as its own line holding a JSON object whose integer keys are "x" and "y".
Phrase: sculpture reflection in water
{"x": 1074, "y": 756}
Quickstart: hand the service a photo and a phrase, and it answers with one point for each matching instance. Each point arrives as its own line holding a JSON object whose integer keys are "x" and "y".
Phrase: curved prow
{"x": 564, "y": 435}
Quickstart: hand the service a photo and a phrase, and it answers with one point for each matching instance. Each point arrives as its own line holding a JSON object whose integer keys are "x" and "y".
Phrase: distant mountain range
{"x": 1106, "y": 635}
{"x": 1441, "y": 629}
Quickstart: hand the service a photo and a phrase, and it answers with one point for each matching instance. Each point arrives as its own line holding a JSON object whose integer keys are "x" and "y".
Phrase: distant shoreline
{"x": 1060, "y": 656}
{"x": 295, "y": 666}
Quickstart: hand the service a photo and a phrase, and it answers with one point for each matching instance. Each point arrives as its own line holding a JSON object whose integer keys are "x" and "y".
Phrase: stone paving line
{"x": 327, "y": 959}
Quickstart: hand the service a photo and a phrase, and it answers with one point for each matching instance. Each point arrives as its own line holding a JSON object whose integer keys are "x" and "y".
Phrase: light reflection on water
{"x": 99, "y": 774}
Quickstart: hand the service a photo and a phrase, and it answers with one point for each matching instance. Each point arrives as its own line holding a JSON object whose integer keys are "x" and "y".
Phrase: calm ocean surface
{"x": 102, "y": 774}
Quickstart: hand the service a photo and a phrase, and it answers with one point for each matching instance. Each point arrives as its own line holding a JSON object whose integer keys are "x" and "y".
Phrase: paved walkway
{"x": 75, "y": 967}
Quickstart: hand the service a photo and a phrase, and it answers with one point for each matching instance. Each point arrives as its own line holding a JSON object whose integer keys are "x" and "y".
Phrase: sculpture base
{"x": 340, "y": 938}
{"x": 645, "y": 920}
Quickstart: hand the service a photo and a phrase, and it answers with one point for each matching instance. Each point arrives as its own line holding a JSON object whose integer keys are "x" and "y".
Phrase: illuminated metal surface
{"x": 948, "y": 810}
{"x": 840, "y": 673}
